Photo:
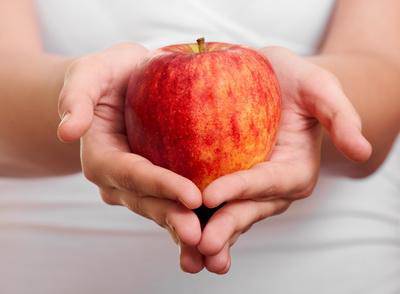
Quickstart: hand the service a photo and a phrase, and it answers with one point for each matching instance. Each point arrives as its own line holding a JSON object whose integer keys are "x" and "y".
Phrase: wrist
{"x": 30, "y": 89}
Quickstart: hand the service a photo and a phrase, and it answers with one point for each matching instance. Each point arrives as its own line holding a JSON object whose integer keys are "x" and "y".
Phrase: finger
{"x": 336, "y": 113}
{"x": 191, "y": 261}
{"x": 83, "y": 82}
{"x": 216, "y": 263}
{"x": 182, "y": 223}
{"x": 76, "y": 117}
{"x": 236, "y": 237}
{"x": 236, "y": 217}
{"x": 87, "y": 79}
{"x": 219, "y": 263}
{"x": 132, "y": 172}
{"x": 267, "y": 180}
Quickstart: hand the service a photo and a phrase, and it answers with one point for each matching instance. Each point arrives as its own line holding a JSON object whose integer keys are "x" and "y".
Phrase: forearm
{"x": 29, "y": 88}
{"x": 372, "y": 85}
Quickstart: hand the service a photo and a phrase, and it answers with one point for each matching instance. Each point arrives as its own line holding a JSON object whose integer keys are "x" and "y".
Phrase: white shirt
{"x": 58, "y": 237}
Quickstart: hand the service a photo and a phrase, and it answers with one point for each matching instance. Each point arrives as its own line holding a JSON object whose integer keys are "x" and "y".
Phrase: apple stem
{"x": 201, "y": 43}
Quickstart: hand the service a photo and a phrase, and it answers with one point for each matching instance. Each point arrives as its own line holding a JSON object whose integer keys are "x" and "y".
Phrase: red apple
{"x": 203, "y": 110}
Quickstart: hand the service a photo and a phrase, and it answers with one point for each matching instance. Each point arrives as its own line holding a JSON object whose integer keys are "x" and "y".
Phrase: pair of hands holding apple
{"x": 92, "y": 105}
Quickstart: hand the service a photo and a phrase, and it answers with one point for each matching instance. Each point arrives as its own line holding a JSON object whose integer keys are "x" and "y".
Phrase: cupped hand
{"x": 311, "y": 97}
{"x": 91, "y": 105}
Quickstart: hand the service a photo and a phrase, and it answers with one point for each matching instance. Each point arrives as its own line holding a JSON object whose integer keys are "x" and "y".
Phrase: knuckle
{"x": 333, "y": 78}
{"x": 91, "y": 165}
{"x": 276, "y": 186}
{"x": 306, "y": 182}
{"x": 140, "y": 206}
{"x": 301, "y": 187}
{"x": 83, "y": 62}
{"x": 92, "y": 63}
{"x": 261, "y": 212}
{"x": 135, "y": 204}
{"x": 243, "y": 183}
{"x": 282, "y": 209}
{"x": 308, "y": 190}
{"x": 89, "y": 174}
{"x": 260, "y": 215}
{"x": 130, "y": 177}
{"x": 159, "y": 187}
{"x": 273, "y": 188}
{"x": 317, "y": 79}
{"x": 127, "y": 181}
{"x": 75, "y": 66}
{"x": 107, "y": 197}
{"x": 230, "y": 219}
{"x": 325, "y": 77}
{"x": 305, "y": 191}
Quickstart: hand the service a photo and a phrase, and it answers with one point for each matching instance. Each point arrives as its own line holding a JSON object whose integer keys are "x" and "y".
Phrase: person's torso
{"x": 355, "y": 220}
{"x": 77, "y": 27}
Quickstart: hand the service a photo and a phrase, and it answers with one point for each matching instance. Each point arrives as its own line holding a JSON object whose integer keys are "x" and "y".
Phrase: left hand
{"x": 92, "y": 104}
{"x": 311, "y": 97}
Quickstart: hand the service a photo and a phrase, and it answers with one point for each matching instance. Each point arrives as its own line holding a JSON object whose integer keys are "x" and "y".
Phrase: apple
{"x": 203, "y": 110}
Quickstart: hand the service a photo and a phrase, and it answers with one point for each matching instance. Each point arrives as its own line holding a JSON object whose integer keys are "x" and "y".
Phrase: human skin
{"x": 348, "y": 71}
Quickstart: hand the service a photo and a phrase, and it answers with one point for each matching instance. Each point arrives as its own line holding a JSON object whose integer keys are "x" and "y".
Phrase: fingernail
{"x": 190, "y": 201}
{"x": 65, "y": 117}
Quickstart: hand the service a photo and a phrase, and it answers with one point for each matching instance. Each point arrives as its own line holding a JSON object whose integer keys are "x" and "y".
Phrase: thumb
{"x": 77, "y": 100}
{"x": 336, "y": 113}
{"x": 76, "y": 112}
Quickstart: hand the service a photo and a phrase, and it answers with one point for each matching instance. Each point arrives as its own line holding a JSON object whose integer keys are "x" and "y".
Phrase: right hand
{"x": 91, "y": 106}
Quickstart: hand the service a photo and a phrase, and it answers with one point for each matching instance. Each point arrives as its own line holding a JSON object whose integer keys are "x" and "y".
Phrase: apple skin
{"x": 203, "y": 114}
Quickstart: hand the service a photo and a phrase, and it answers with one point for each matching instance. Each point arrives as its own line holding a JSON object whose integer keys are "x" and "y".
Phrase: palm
{"x": 311, "y": 97}
{"x": 299, "y": 138}
{"x": 108, "y": 126}
{"x": 94, "y": 96}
